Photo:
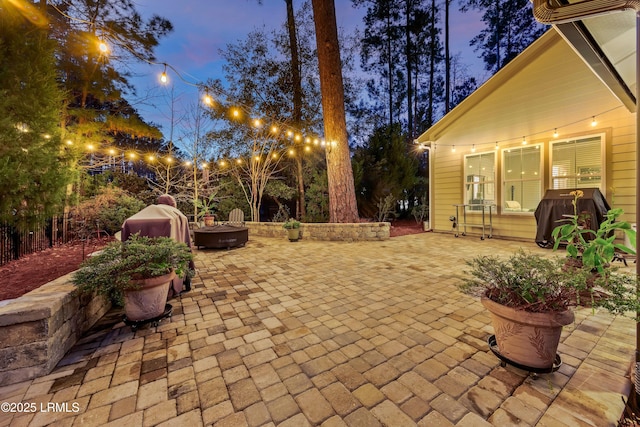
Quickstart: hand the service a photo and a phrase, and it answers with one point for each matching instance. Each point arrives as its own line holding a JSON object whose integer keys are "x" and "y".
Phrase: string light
{"x": 163, "y": 77}
{"x": 207, "y": 99}
{"x": 103, "y": 48}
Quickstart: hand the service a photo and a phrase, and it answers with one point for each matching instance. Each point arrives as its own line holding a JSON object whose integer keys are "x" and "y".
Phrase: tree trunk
{"x": 342, "y": 197}
{"x": 447, "y": 59}
{"x": 297, "y": 100}
{"x": 409, "y": 65}
{"x": 432, "y": 63}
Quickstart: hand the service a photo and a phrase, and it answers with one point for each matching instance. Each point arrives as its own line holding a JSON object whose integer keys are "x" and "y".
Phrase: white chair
{"x": 236, "y": 217}
{"x": 512, "y": 206}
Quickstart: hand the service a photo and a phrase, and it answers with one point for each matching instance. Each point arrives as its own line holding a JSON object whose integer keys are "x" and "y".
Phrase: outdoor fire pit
{"x": 220, "y": 236}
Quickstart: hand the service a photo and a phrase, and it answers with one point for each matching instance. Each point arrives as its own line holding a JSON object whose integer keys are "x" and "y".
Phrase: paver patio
{"x": 331, "y": 334}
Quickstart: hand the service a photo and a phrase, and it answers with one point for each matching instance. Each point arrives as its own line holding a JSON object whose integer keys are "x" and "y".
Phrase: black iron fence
{"x": 16, "y": 243}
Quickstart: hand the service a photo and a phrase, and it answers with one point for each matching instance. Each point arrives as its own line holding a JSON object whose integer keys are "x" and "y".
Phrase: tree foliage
{"x": 384, "y": 167}
{"x": 510, "y": 28}
{"x": 34, "y": 164}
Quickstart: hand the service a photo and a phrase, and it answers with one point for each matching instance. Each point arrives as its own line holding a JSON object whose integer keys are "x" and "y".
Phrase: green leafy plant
{"x": 106, "y": 211}
{"x": 534, "y": 283}
{"x": 110, "y": 271}
{"x": 595, "y": 249}
{"x": 291, "y": 223}
{"x": 421, "y": 211}
{"x": 205, "y": 206}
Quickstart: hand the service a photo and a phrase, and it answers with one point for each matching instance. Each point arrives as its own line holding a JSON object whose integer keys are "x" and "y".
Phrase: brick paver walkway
{"x": 331, "y": 334}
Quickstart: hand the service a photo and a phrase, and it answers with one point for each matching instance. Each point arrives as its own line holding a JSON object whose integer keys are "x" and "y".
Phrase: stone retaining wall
{"x": 324, "y": 231}
{"x": 37, "y": 329}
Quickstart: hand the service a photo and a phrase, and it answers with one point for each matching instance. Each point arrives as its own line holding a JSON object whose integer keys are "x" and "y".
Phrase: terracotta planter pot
{"x": 293, "y": 234}
{"x": 148, "y": 301}
{"x": 209, "y": 221}
{"x": 530, "y": 339}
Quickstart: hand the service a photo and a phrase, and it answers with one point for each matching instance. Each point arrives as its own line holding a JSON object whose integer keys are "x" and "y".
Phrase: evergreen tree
{"x": 34, "y": 164}
{"x": 342, "y": 199}
{"x": 384, "y": 167}
{"x": 95, "y": 81}
{"x": 510, "y": 28}
{"x": 402, "y": 46}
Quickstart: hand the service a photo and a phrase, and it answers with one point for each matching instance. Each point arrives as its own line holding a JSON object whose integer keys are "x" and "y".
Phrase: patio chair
{"x": 236, "y": 217}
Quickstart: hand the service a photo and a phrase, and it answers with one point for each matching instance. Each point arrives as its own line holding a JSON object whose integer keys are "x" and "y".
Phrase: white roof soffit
{"x": 550, "y": 12}
{"x": 570, "y": 20}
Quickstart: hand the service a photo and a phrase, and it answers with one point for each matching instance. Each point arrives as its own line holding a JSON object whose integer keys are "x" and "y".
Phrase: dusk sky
{"x": 202, "y": 28}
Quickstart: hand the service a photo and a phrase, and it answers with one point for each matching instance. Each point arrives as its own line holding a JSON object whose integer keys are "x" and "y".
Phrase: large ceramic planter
{"x": 149, "y": 300}
{"x": 529, "y": 339}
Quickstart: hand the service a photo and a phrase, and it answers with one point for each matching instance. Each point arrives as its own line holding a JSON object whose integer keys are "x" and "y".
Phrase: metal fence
{"x": 16, "y": 243}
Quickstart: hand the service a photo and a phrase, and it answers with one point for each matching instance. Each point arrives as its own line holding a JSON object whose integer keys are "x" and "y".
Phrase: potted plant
{"x": 293, "y": 229}
{"x": 530, "y": 298}
{"x": 421, "y": 213}
{"x": 135, "y": 273}
{"x": 205, "y": 210}
{"x": 592, "y": 249}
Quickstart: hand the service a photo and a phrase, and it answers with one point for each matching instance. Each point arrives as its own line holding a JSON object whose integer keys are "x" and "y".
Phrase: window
{"x": 480, "y": 171}
{"x": 577, "y": 163}
{"x": 522, "y": 179}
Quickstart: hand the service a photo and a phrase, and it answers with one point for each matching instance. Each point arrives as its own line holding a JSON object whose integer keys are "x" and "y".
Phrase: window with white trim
{"x": 577, "y": 163}
{"x": 480, "y": 179}
{"x": 521, "y": 178}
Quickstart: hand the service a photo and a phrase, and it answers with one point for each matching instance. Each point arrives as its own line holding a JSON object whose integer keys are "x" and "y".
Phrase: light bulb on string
{"x": 274, "y": 129}
{"x": 593, "y": 121}
{"x": 257, "y": 123}
{"x": 207, "y": 99}
{"x": 103, "y": 47}
{"x": 163, "y": 77}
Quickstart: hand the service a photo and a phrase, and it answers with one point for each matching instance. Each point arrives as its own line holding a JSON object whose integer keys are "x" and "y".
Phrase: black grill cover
{"x": 557, "y": 203}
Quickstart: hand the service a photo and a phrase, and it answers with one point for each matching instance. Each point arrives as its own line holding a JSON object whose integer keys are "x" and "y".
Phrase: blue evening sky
{"x": 202, "y": 28}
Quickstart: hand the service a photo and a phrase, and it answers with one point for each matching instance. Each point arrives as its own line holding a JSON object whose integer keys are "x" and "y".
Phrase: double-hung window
{"x": 577, "y": 163}
{"x": 480, "y": 179}
{"x": 522, "y": 178}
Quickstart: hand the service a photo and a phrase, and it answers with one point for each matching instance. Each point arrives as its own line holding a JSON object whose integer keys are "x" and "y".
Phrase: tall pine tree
{"x": 510, "y": 28}
{"x": 34, "y": 164}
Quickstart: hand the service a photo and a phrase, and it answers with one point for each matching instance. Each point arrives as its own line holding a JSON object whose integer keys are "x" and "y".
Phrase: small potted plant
{"x": 530, "y": 298}
{"x": 421, "y": 213}
{"x": 205, "y": 210}
{"x": 293, "y": 229}
{"x": 592, "y": 249}
{"x": 135, "y": 273}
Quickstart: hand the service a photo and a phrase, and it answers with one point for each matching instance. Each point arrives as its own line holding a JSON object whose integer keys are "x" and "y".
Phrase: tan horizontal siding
{"x": 554, "y": 90}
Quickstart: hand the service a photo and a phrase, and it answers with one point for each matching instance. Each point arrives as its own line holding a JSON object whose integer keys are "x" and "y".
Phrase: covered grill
{"x": 557, "y": 203}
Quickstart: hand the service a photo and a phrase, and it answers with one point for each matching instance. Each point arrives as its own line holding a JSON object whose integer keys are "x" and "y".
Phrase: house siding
{"x": 550, "y": 87}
